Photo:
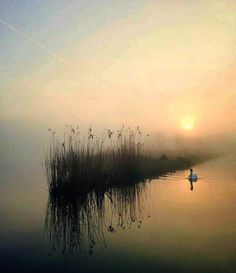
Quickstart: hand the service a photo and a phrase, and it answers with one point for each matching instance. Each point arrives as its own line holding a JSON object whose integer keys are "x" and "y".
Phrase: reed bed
{"x": 79, "y": 164}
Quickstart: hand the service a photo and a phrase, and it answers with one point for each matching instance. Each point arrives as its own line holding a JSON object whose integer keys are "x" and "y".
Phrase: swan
{"x": 192, "y": 176}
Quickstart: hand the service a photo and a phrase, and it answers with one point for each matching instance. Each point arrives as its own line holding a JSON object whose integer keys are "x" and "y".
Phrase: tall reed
{"x": 79, "y": 164}
{"x": 82, "y": 164}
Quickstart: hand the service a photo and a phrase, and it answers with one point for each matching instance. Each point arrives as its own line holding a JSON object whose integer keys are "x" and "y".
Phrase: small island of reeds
{"x": 81, "y": 164}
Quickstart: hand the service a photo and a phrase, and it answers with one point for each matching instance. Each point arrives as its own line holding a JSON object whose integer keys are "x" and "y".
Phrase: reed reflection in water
{"x": 75, "y": 225}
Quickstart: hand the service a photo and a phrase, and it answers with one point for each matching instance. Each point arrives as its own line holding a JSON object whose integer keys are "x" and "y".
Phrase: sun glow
{"x": 188, "y": 124}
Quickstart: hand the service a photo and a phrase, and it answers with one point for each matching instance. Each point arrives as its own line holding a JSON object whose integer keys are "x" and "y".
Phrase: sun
{"x": 188, "y": 124}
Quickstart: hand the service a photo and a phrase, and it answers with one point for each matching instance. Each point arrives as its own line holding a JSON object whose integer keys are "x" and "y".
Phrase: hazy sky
{"x": 157, "y": 64}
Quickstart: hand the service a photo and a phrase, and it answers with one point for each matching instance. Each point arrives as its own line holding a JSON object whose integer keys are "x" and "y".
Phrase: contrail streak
{"x": 36, "y": 42}
{"x": 48, "y": 50}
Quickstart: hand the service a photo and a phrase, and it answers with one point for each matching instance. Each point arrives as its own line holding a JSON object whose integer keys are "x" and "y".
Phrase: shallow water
{"x": 159, "y": 226}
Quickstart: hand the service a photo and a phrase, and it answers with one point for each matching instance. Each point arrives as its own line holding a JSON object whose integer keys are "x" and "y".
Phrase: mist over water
{"x": 167, "y": 67}
{"x": 25, "y": 144}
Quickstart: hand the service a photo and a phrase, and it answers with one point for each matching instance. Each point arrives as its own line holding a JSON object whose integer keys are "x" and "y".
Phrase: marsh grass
{"x": 79, "y": 164}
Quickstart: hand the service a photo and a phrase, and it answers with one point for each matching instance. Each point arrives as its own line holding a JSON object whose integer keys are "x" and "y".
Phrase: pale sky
{"x": 157, "y": 64}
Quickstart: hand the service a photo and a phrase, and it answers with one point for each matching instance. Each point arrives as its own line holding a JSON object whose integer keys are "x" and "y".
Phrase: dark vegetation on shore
{"x": 78, "y": 165}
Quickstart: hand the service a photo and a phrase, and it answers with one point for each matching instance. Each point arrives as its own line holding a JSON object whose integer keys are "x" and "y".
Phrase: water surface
{"x": 159, "y": 226}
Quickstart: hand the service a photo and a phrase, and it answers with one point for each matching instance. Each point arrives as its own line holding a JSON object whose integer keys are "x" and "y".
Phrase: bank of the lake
{"x": 78, "y": 164}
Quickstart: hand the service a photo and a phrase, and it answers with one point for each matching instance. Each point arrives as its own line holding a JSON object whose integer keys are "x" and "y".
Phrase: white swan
{"x": 192, "y": 176}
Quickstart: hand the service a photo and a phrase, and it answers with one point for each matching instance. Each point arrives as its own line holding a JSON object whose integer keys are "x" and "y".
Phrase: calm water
{"x": 160, "y": 226}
